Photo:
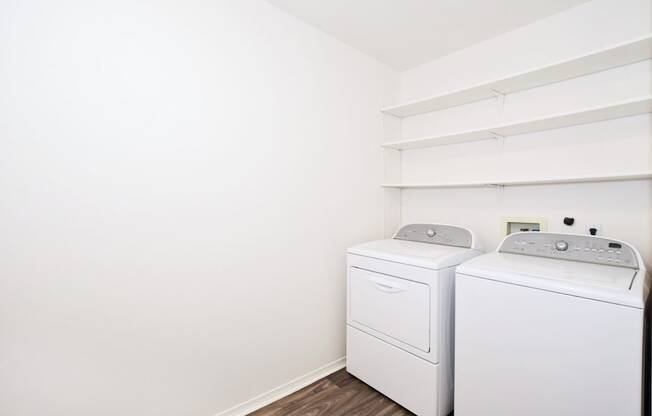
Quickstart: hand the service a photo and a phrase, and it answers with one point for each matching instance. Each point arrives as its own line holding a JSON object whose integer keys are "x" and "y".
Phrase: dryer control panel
{"x": 584, "y": 248}
{"x": 448, "y": 235}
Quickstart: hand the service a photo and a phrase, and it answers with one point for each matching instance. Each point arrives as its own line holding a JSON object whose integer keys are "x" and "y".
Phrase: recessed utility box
{"x": 519, "y": 224}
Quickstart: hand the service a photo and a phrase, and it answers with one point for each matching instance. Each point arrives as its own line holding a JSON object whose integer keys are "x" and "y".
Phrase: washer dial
{"x": 561, "y": 245}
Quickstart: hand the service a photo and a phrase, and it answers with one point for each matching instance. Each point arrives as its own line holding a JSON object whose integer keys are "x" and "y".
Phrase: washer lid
{"x": 613, "y": 284}
{"x": 431, "y": 256}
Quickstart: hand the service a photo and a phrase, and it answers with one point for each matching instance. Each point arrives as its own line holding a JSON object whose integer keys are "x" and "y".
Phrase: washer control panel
{"x": 588, "y": 249}
{"x": 448, "y": 235}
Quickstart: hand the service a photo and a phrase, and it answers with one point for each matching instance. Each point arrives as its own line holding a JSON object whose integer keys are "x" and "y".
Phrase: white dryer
{"x": 400, "y": 314}
{"x": 551, "y": 324}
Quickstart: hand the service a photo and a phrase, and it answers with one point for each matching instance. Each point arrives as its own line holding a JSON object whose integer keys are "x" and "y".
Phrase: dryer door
{"x": 393, "y": 306}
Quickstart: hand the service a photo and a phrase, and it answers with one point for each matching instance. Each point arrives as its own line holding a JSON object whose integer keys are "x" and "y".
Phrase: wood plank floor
{"x": 339, "y": 394}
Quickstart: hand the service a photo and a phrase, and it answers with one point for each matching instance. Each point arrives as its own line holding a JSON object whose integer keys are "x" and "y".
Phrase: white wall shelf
{"x": 525, "y": 182}
{"x": 635, "y": 50}
{"x": 619, "y": 109}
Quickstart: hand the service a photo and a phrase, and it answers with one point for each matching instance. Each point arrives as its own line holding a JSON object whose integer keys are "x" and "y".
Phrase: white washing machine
{"x": 400, "y": 314}
{"x": 551, "y": 324}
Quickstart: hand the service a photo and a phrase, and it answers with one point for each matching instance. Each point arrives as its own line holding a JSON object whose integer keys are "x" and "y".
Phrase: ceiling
{"x": 407, "y": 33}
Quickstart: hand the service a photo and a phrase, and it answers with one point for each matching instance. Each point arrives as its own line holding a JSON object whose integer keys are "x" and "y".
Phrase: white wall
{"x": 622, "y": 210}
{"x": 179, "y": 182}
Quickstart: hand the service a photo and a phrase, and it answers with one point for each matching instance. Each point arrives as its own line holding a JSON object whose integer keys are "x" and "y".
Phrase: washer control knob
{"x": 430, "y": 233}
{"x": 561, "y": 245}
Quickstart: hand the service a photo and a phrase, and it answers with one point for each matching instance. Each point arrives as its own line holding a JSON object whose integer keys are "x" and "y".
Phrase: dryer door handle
{"x": 389, "y": 288}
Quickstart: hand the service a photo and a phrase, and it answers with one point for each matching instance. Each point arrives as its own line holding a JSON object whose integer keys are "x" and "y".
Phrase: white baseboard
{"x": 286, "y": 389}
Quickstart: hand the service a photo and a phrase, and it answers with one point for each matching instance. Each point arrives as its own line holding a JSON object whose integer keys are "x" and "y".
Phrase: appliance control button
{"x": 561, "y": 245}
{"x": 430, "y": 233}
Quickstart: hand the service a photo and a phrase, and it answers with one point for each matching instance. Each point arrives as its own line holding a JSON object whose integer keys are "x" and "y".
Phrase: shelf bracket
{"x": 500, "y": 98}
{"x": 500, "y": 138}
{"x": 499, "y": 187}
